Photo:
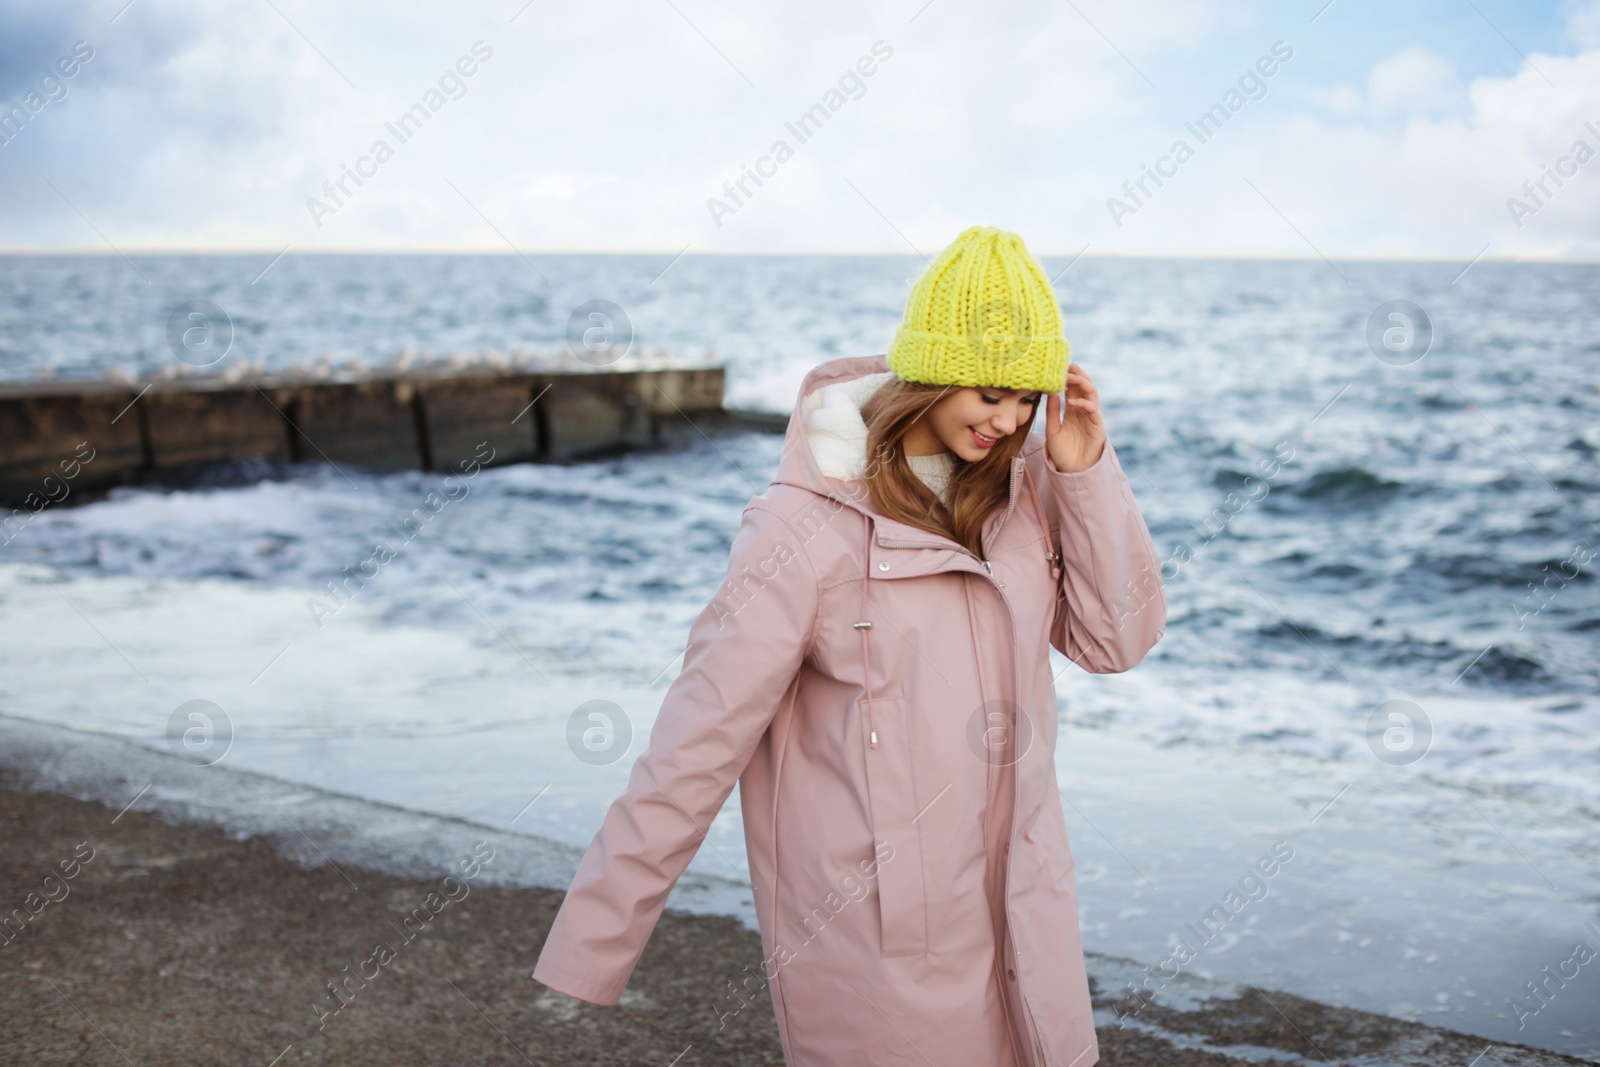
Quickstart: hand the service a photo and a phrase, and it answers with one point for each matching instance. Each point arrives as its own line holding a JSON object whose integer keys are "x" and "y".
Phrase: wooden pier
{"x": 66, "y": 437}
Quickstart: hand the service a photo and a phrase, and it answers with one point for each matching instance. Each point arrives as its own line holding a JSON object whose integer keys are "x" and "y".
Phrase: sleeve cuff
{"x": 1092, "y": 471}
{"x": 602, "y": 993}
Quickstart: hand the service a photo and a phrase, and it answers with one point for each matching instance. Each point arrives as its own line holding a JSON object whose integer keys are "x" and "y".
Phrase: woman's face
{"x": 970, "y": 420}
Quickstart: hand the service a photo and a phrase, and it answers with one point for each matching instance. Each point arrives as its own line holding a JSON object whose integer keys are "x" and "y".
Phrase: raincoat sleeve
{"x": 745, "y": 649}
{"x": 1110, "y": 607}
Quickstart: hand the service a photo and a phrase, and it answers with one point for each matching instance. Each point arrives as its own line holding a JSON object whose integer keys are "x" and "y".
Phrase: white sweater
{"x": 935, "y": 471}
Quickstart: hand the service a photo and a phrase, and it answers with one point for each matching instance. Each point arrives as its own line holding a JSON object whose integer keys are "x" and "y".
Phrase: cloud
{"x": 1339, "y": 99}
{"x": 1419, "y": 163}
{"x": 1414, "y": 81}
{"x": 1441, "y": 185}
{"x": 608, "y": 127}
{"x": 1583, "y": 24}
{"x": 1411, "y": 82}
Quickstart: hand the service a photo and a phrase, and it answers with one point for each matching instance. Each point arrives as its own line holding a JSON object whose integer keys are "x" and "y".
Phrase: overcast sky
{"x": 1382, "y": 129}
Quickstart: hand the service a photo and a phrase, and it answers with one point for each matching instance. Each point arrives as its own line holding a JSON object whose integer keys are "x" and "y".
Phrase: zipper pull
{"x": 987, "y": 567}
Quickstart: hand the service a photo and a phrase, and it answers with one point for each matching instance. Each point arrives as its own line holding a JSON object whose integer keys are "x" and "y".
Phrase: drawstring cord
{"x": 864, "y": 624}
{"x": 1050, "y": 555}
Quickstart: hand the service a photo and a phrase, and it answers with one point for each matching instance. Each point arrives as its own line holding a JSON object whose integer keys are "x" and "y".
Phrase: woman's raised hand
{"x": 1076, "y": 439}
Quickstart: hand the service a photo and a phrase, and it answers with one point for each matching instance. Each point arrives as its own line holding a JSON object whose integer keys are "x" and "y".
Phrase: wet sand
{"x": 178, "y": 944}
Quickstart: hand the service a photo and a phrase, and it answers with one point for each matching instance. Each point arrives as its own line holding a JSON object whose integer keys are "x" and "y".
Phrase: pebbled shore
{"x": 176, "y": 944}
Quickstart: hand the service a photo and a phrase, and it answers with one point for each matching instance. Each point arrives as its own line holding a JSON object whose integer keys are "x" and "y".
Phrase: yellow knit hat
{"x": 982, "y": 313}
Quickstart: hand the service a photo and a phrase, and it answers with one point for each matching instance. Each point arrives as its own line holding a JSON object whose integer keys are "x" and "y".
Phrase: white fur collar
{"x": 834, "y": 426}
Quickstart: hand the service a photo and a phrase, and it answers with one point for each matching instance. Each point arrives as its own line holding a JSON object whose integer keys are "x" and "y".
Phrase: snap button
{"x": 884, "y": 565}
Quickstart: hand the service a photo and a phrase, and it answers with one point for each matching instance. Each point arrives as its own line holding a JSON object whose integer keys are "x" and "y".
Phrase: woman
{"x": 875, "y": 674}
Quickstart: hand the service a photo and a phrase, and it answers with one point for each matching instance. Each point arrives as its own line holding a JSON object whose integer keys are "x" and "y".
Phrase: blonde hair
{"x": 976, "y": 489}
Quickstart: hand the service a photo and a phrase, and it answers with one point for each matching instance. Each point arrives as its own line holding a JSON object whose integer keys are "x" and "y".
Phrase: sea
{"x": 1374, "y": 486}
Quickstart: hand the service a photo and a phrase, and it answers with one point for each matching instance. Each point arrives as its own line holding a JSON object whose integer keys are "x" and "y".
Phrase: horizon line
{"x": 1086, "y": 254}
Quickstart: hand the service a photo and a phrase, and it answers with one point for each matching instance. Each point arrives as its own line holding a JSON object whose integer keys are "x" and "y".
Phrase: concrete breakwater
{"x": 57, "y": 438}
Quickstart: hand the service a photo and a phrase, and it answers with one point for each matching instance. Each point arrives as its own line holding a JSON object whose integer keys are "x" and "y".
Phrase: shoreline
{"x": 192, "y": 928}
{"x": 181, "y": 944}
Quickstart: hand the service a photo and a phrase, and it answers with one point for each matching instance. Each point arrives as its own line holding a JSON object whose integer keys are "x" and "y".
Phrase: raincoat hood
{"x": 825, "y": 446}
{"x": 831, "y": 418}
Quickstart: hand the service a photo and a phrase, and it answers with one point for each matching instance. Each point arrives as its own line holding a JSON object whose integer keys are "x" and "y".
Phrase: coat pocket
{"x": 896, "y": 839}
{"x": 902, "y": 906}
{"x": 1055, "y": 845}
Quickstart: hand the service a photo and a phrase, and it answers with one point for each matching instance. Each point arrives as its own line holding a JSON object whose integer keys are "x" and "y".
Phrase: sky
{"x": 1343, "y": 129}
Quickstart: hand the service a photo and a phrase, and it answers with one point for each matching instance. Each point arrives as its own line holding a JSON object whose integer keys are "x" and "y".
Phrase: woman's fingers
{"x": 1078, "y": 377}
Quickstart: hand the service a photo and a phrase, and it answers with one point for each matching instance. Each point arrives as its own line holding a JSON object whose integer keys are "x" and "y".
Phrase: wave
{"x": 1346, "y": 485}
{"x": 1501, "y": 665}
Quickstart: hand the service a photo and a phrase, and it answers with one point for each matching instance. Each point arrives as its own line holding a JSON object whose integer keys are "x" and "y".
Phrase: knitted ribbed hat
{"x": 982, "y": 313}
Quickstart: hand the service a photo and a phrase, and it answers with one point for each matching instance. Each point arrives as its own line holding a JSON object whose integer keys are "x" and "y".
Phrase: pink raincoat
{"x": 909, "y": 858}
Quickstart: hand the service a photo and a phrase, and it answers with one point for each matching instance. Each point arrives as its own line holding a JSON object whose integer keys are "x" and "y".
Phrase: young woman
{"x": 875, "y": 674}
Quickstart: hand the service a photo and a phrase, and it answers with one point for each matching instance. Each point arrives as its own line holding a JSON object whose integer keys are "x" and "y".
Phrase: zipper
{"x": 1016, "y": 780}
{"x": 1016, "y": 820}
{"x": 1011, "y": 503}
{"x": 1014, "y": 1018}
{"x": 1016, "y": 811}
